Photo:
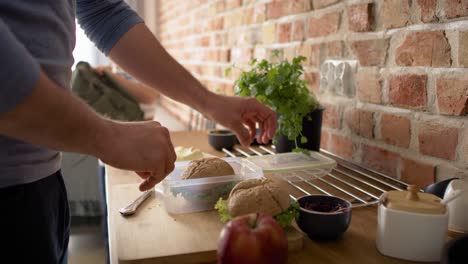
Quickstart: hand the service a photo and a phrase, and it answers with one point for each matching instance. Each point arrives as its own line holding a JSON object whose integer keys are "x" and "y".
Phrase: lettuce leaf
{"x": 223, "y": 211}
{"x": 284, "y": 219}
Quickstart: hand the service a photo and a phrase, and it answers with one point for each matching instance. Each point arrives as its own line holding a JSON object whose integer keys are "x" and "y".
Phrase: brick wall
{"x": 408, "y": 116}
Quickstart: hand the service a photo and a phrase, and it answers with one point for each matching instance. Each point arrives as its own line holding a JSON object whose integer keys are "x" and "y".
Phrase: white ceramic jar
{"x": 411, "y": 226}
{"x": 458, "y": 208}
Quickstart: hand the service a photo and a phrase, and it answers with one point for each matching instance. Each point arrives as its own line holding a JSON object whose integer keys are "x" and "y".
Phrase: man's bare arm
{"x": 140, "y": 53}
{"x": 53, "y": 117}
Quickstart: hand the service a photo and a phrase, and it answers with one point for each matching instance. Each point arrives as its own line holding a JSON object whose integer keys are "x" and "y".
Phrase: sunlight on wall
{"x": 86, "y": 51}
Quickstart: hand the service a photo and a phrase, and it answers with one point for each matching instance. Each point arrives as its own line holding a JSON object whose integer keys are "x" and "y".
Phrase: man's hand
{"x": 241, "y": 115}
{"x": 143, "y": 147}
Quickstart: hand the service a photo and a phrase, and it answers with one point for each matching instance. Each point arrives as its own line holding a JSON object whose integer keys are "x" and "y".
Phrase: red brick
{"x": 438, "y": 140}
{"x": 452, "y": 95}
{"x": 224, "y": 55}
{"x": 324, "y": 139}
{"x": 298, "y": 30}
{"x": 331, "y": 116}
{"x": 218, "y": 39}
{"x": 269, "y": 33}
{"x": 259, "y": 13}
{"x": 360, "y": 17}
{"x": 276, "y": 10}
{"x": 369, "y": 88}
{"x": 417, "y": 173}
{"x": 456, "y": 8}
{"x": 428, "y": 10}
{"x": 216, "y": 24}
{"x": 334, "y": 49}
{"x": 306, "y": 51}
{"x": 289, "y": 53}
{"x": 298, "y": 6}
{"x": 360, "y": 122}
{"x": 313, "y": 81}
{"x": 247, "y": 16}
{"x": 325, "y": 25}
{"x": 370, "y": 52}
{"x": 205, "y": 41}
{"x": 220, "y": 6}
{"x": 394, "y": 13}
{"x": 462, "y": 50}
{"x": 424, "y": 49}
{"x": 408, "y": 90}
{"x": 230, "y": 4}
{"x": 395, "y": 130}
{"x": 315, "y": 55}
{"x": 284, "y": 32}
{"x": 341, "y": 146}
{"x": 242, "y": 55}
{"x": 380, "y": 160}
{"x": 323, "y": 3}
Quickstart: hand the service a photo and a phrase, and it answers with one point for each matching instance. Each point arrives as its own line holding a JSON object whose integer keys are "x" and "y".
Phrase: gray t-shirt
{"x": 40, "y": 34}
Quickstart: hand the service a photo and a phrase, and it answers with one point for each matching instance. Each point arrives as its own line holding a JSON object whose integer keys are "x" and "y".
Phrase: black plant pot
{"x": 311, "y": 129}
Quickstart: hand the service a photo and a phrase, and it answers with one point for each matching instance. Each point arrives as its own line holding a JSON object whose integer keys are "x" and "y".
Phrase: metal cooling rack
{"x": 350, "y": 181}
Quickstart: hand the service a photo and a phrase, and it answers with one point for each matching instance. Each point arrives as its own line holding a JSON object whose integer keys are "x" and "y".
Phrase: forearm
{"x": 54, "y": 118}
{"x": 141, "y": 92}
{"x": 140, "y": 53}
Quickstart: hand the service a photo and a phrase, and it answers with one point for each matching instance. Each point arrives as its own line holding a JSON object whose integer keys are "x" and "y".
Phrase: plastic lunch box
{"x": 196, "y": 195}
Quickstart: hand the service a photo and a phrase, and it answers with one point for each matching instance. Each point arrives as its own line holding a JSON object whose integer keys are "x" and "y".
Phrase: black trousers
{"x": 35, "y": 221}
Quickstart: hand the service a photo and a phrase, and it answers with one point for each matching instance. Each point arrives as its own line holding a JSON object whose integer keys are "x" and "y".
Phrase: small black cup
{"x": 220, "y": 139}
{"x": 323, "y": 222}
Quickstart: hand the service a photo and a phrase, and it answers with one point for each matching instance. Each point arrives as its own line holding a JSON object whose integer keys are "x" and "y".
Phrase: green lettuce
{"x": 284, "y": 219}
{"x": 223, "y": 211}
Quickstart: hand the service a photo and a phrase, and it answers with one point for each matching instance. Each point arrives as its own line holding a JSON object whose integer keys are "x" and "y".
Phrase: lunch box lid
{"x": 293, "y": 161}
{"x": 414, "y": 201}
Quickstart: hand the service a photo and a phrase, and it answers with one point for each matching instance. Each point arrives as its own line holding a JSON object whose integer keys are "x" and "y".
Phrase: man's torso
{"x": 47, "y": 29}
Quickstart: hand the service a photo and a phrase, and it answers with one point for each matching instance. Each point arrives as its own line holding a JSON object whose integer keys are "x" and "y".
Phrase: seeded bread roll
{"x": 207, "y": 167}
{"x": 257, "y": 195}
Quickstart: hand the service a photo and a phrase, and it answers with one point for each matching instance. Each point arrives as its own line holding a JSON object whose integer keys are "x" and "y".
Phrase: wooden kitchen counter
{"x": 356, "y": 246}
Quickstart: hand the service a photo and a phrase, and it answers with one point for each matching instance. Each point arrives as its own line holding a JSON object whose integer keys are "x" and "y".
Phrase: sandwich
{"x": 205, "y": 192}
{"x": 258, "y": 196}
{"x": 207, "y": 167}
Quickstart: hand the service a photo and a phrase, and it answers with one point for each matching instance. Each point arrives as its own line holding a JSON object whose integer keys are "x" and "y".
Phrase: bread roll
{"x": 207, "y": 167}
{"x": 257, "y": 195}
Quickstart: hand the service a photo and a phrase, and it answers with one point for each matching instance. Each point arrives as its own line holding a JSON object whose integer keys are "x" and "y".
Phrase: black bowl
{"x": 220, "y": 139}
{"x": 329, "y": 218}
{"x": 455, "y": 251}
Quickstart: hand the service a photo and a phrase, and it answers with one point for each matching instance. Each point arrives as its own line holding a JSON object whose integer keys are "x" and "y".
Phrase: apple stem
{"x": 253, "y": 221}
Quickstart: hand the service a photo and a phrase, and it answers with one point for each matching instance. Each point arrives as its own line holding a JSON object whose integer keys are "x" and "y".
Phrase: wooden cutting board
{"x": 154, "y": 236}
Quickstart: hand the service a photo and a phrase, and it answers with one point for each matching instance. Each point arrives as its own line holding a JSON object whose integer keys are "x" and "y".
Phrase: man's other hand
{"x": 241, "y": 114}
{"x": 143, "y": 147}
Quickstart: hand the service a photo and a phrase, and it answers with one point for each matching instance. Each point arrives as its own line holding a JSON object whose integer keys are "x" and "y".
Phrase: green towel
{"x": 104, "y": 94}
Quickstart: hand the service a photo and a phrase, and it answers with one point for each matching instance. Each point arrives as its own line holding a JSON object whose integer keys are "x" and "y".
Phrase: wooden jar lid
{"x": 414, "y": 201}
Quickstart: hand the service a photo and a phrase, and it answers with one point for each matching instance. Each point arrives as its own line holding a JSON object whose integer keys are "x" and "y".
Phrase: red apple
{"x": 252, "y": 238}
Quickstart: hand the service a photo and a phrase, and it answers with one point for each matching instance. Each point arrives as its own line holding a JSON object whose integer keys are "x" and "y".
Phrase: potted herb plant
{"x": 280, "y": 86}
